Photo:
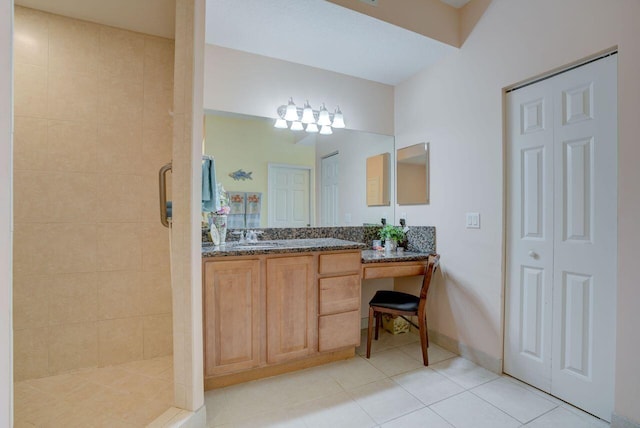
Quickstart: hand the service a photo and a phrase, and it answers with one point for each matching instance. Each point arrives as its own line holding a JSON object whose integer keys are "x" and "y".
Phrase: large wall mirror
{"x": 280, "y": 178}
{"x": 413, "y": 175}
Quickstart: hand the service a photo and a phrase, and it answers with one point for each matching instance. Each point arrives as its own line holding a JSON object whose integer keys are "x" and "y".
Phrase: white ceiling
{"x": 311, "y": 32}
{"x": 456, "y": 3}
{"x": 321, "y": 34}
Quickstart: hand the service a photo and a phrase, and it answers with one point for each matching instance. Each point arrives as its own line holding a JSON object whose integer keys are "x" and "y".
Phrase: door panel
{"x": 530, "y": 237}
{"x": 289, "y": 196}
{"x": 562, "y": 234}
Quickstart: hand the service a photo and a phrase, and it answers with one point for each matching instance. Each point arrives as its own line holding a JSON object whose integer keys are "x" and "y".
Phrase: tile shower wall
{"x": 91, "y": 261}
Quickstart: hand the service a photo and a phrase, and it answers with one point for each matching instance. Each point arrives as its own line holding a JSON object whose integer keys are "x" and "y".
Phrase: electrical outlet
{"x": 473, "y": 221}
{"x": 370, "y": 2}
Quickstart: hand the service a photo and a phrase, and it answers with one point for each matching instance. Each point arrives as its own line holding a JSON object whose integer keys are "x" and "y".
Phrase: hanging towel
{"x": 210, "y": 197}
{"x": 253, "y": 209}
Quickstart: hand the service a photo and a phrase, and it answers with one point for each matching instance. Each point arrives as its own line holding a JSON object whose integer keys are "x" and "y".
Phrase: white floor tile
{"x": 336, "y": 411}
{"x": 469, "y": 411}
{"x": 464, "y": 372}
{"x": 352, "y": 373}
{"x": 385, "y": 400}
{"x": 436, "y": 353}
{"x": 280, "y": 418}
{"x": 419, "y": 419}
{"x": 562, "y": 417}
{"x": 385, "y": 341}
{"x": 427, "y": 385}
{"x": 393, "y": 362}
{"x": 513, "y": 399}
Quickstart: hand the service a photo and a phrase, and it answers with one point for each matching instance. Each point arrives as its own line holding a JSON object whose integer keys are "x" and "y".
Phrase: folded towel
{"x": 210, "y": 196}
{"x": 237, "y": 202}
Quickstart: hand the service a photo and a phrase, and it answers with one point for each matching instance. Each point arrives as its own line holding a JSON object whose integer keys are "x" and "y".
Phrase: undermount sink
{"x": 254, "y": 246}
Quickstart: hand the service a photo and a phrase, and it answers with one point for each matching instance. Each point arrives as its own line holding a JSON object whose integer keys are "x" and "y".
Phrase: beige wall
{"x": 240, "y": 82}
{"x": 91, "y": 260}
{"x": 457, "y": 107}
{"x": 250, "y": 145}
{"x": 6, "y": 384}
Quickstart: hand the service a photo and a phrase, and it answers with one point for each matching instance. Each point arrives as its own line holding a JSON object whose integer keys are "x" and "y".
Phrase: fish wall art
{"x": 241, "y": 175}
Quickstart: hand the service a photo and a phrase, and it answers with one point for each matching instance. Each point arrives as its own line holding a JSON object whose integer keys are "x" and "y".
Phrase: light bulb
{"x": 281, "y": 124}
{"x": 307, "y": 114}
{"x": 292, "y": 111}
{"x": 338, "y": 119}
{"x": 312, "y": 128}
{"x": 296, "y": 126}
{"x": 323, "y": 117}
{"x": 326, "y": 130}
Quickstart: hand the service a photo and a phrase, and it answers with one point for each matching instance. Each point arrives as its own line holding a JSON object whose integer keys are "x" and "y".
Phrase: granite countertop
{"x": 374, "y": 256}
{"x": 280, "y": 246}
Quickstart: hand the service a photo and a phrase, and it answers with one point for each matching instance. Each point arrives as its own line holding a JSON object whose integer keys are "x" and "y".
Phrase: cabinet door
{"x": 291, "y": 308}
{"x": 231, "y": 316}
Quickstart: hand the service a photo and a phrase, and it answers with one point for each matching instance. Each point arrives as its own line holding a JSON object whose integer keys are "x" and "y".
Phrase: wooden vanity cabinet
{"x": 339, "y": 301}
{"x": 232, "y": 307}
{"x": 269, "y": 314}
{"x": 291, "y": 308}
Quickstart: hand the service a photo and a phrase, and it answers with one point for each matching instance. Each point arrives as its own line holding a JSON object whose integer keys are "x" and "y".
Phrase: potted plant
{"x": 391, "y": 235}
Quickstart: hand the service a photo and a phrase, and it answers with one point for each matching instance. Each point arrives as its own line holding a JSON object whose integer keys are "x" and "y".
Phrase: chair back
{"x": 432, "y": 266}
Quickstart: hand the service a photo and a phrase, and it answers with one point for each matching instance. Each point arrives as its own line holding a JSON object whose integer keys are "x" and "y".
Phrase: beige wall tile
{"x": 121, "y": 101}
{"x": 72, "y": 145}
{"x": 159, "y": 48}
{"x": 120, "y": 294}
{"x": 30, "y": 358}
{"x": 30, "y": 90}
{"x": 73, "y": 45}
{"x": 121, "y": 53}
{"x": 158, "y": 85}
{"x": 155, "y": 246}
{"x": 30, "y": 144}
{"x": 119, "y": 247}
{"x": 73, "y": 298}
{"x": 119, "y": 149}
{"x": 157, "y": 141}
{"x": 55, "y": 197}
{"x": 150, "y": 198}
{"x": 25, "y": 238}
{"x": 157, "y": 292}
{"x": 120, "y": 340}
{"x": 72, "y": 346}
{"x": 158, "y": 337}
{"x": 31, "y": 36}
{"x": 73, "y": 96}
{"x": 30, "y": 301}
{"x": 69, "y": 248}
{"x": 120, "y": 200}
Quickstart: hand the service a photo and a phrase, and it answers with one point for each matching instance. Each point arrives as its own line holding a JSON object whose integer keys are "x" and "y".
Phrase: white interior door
{"x": 289, "y": 196}
{"x": 330, "y": 189}
{"x": 561, "y": 285}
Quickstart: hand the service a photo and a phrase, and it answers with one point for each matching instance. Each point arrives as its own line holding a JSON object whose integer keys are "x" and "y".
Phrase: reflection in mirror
{"x": 412, "y": 172}
{"x": 378, "y": 180}
{"x": 257, "y": 162}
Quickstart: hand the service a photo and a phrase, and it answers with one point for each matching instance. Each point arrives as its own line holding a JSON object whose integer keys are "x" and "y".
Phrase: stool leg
{"x": 370, "y": 331}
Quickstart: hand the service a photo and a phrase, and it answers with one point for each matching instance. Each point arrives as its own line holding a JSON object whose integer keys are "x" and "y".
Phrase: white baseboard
{"x": 618, "y": 421}
{"x": 180, "y": 418}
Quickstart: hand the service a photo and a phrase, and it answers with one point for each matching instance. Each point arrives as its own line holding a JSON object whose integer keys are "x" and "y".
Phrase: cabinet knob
{"x": 533, "y": 254}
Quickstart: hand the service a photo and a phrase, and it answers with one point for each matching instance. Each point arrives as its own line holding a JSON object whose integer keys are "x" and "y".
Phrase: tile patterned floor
{"x": 123, "y": 396}
{"x": 392, "y": 390}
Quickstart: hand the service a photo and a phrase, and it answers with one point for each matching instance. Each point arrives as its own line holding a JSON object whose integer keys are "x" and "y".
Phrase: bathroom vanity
{"x": 279, "y": 306}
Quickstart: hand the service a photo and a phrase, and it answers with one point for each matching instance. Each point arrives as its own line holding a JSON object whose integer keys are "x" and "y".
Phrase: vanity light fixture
{"x": 296, "y": 118}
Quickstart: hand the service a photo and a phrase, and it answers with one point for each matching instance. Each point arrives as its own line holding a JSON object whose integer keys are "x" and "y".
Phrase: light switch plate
{"x": 473, "y": 221}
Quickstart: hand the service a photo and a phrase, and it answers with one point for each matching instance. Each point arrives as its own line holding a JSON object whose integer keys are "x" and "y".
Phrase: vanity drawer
{"x": 338, "y": 331}
{"x": 393, "y": 270}
{"x": 339, "y": 263}
{"x": 339, "y": 294}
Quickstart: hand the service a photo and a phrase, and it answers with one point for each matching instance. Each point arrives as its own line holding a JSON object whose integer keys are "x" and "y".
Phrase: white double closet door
{"x": 560, "y": 324}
